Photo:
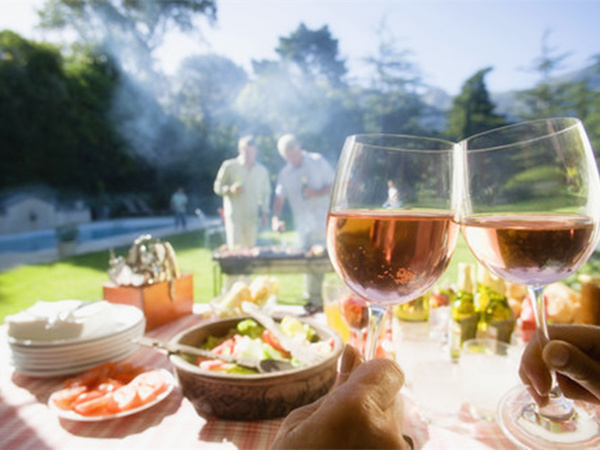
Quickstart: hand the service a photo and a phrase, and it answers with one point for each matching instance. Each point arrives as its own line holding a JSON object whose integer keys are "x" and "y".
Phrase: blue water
{"x": 46, "y": 239}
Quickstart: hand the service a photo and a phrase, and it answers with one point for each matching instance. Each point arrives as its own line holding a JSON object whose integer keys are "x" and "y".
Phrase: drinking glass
{"x": 530, "y": 215}
{"x": 355, "y": 314}
{"x": 390, "y": 254}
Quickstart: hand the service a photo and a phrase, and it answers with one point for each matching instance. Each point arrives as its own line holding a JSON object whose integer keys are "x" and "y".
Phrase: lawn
{"x": 81, "y": 277}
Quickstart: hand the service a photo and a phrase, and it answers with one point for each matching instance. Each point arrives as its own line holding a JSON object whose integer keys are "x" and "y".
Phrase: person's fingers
{"x": 351, "y": 359}
{"x": 533, "y": 371}
{"x": 574, "y": 364}
{"x": 585, "y": 337}
{"x": 378, "y": 380}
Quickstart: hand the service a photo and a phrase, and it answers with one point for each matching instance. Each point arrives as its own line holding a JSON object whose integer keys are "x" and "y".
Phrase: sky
{"x": 449, "y": 41}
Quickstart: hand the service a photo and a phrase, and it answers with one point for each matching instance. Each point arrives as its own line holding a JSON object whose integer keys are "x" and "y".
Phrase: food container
{"x": 161, "y": 302}
{"x": 252, "y": 396}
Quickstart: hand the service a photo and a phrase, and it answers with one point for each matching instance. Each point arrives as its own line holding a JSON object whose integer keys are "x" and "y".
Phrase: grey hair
{"x": 287, "y": 142}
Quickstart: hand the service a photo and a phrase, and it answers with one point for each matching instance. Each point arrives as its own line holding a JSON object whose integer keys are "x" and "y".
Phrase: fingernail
{"x": 558, "y": 356}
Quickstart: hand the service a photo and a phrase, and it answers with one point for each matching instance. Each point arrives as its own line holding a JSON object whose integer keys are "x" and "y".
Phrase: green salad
{"x": 251, "y": 340}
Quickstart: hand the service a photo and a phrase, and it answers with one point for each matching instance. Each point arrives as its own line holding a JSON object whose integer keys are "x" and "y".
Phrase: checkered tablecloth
{"x": 28, "y": 423}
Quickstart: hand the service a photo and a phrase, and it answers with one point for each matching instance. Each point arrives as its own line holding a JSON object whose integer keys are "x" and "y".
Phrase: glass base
{"x": 520, "y": 421}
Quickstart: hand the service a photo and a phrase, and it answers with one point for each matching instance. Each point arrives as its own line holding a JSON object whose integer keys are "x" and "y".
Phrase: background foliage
{"x": 96, "y": 120}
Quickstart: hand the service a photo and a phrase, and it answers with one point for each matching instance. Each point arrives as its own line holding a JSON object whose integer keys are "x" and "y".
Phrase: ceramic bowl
{"x": 252, "y": 396}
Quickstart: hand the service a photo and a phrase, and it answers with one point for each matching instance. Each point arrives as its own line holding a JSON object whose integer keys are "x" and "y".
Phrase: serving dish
{"x": 252, "y": 396}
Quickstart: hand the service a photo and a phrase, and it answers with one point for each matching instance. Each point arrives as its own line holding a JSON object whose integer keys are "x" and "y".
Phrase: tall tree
{"x": 205, "y": 89}
{"x": 548, "y": 97}
{"x": 303, "y": 93}
{"x": 54, "y": 124}
{"x": 472, "y": 110}
{"x": 392, "y": 102}
{"x": 135, "y": 26}
{"x": 315, "y": 53}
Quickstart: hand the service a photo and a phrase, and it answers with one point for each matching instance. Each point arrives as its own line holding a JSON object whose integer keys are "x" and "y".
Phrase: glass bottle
{"x": 484, "y": 283}
{"x": 497, "y": 320}
{"x": 463, "y": 311}
{"x": 414, "y": 311}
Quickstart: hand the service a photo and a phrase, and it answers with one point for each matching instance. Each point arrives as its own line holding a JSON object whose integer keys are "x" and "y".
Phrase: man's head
{"x": 289, "y": 148}
{"x": 247, "y": 149}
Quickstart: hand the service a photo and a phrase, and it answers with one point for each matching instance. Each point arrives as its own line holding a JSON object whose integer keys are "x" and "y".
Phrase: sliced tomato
{"x": 109, "y": 385}
{"x": 64, "y": 398}
{"x": 93, "y": 403}
{"x": 225, "y": 348}
{"x": 124, "y": 398}
{"x": 149, "y": 385}
{"x": 92, "y": 377}
{"x": 274, "y": 342}
{"x": 211, "y": 364}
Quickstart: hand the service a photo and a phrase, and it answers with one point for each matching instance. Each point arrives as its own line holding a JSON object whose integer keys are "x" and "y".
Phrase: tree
{"x": 142, "y": 23}
{"x": 54, "y": 121}
{"x": 472, "y": 110}
{"x": 205, "y": 90}
{"x": 314, "y": 53}
{"x": 303, "y": 93}
{"x": 547, "y": 98}
{"x": 392, "y": 103}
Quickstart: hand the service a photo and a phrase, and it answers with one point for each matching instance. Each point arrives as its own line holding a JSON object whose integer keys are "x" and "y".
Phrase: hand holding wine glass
{"x": 392, "y": 254}
{"x": 531, "y": 215}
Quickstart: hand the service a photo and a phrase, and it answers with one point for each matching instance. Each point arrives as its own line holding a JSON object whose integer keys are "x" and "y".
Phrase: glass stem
{"x": 376, "y": 314}
{"x": 558, "y": 407}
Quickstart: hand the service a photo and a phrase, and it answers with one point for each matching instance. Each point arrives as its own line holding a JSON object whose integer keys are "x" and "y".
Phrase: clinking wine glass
{"x": 355, "y": 314}
{"x": 530, "y": 215}
{"x": 392, "y": 254}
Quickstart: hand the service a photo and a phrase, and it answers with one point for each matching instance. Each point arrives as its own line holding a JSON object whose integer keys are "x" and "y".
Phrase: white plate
{"x": 48, "y": 373}
{"x": 81, "y": 347}
{"x": 58, "y": 363}
{"x": 125, "y": 318}
{"x": 71, "y": 415}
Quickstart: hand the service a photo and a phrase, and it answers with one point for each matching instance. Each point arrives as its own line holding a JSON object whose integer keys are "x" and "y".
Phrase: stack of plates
{"x": 113, "y": 341}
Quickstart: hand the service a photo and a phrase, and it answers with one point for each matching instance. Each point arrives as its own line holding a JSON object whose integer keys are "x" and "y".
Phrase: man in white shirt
{"x": 305, "y": 182}
{"x": 244, "y": 185}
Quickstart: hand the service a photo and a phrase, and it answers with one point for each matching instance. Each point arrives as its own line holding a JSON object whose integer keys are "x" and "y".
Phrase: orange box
{"x": 155, "y": 299}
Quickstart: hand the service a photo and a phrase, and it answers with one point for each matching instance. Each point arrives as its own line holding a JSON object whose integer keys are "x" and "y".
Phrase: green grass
{"x": 81, "y": 277}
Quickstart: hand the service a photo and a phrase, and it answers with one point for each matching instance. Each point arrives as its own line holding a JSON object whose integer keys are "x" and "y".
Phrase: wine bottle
{"x": 414, "y": 311}
{"x": 497, "y": 320}
{"x": 463, "y": 312}
{"x": 484, "y": 282}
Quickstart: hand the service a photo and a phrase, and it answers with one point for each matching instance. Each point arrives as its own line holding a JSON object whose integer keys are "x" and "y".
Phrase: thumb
{"x": 573, "y": 363}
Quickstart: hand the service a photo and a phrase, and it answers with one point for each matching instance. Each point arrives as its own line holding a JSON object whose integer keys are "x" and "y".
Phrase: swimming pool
{"x": 88, "y": 233}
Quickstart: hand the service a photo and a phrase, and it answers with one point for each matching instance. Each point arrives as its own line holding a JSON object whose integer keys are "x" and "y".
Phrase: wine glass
{"x": 530, "y": 215}
{"x": 392, "y": 254}
{"x": 355, "y": 314}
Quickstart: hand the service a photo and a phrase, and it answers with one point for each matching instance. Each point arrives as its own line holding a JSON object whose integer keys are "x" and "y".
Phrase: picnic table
{"x": 28, "y": 422}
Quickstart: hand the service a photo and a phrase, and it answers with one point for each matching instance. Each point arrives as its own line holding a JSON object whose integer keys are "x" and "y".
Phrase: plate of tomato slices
{"x": 110, "y": 391}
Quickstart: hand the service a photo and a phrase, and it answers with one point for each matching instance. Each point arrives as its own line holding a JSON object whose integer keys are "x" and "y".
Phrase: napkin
{"x": 65, "y": 319}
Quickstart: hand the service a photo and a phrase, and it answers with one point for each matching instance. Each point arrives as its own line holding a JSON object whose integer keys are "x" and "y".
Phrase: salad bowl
{"x": 252, "y": 396}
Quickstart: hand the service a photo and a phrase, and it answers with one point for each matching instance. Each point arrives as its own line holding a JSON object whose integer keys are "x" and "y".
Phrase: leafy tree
{"x": 314, "y": 53}
{"x": 302, "y": 93}
{"x": 141, "y": 23}
{"x": 392, "y": 103}
{"x": 205, "y": 90}
{"x": 548, "y": 97}
{"x": 586, "y": 103}
{"x": 472, "y": 110}
{"x": 54, "y": 125}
